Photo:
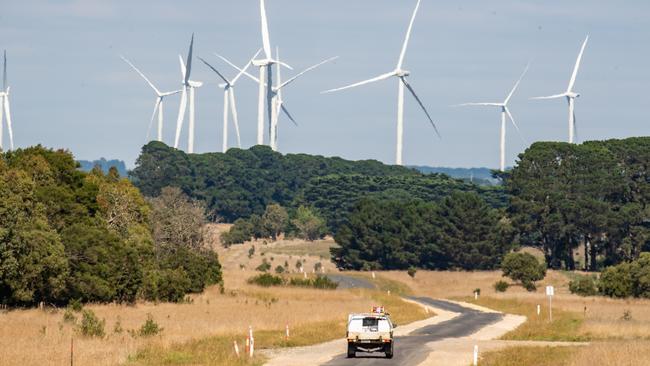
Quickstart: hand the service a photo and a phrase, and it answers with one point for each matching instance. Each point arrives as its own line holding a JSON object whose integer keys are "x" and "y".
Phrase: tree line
{"x": 69, "y": 235}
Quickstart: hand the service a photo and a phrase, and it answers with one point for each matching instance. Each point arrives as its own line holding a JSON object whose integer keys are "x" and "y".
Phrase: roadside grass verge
{"x": 529, "y": 356}
{"x": 218, "y": 350}
{"x": 565, "y": 326}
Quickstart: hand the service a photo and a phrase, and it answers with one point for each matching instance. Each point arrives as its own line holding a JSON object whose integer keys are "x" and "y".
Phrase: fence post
{"x": 71, "y": 351}
{"x": 475, "y": 355}
{"x": 236, "y": 348}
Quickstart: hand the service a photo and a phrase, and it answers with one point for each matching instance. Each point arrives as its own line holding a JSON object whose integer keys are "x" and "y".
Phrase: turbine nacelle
{"x": 573, "y": 95}
{"x": 195, "y": 84}
{"x": 402, "y": 73}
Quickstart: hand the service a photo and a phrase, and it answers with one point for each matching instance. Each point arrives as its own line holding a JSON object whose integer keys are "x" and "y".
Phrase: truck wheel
{"x": 352, "y": 351}
{"x": 389, "y": 350}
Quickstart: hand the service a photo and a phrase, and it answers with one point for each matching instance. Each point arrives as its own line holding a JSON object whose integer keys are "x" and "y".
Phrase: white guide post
{"x": 252, "y": 342}
{"x": 236, "y": 348}
{"x": 475, "y": 363}
{"x": 550, "y": 292}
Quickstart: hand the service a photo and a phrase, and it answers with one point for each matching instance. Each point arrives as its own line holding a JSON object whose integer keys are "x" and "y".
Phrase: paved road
{"x": 410, "y": 350}
{"x": 346, "y": 282}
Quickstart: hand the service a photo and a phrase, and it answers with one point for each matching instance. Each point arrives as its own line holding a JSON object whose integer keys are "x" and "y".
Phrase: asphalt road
{"x": 410, "y": 350}
{"x": 346, "y": 282}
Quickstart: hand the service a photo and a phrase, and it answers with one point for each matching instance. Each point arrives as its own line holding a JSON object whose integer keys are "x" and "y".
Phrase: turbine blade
{"x": 9, "y": 128}
{"x": 141, "y": 74}
{"x": 408, "y": 36}
{"x": 188, "y": 69}
{"x": 477, "y": 104}
{"x": 243, "y": 71}
{"x": 378, "y": 78}
{"x": 305, "y": 71}
{"x": 153, "y": 117}
{"x": 410, "y": 88}
{"x": 286, "y": 112}
{"x": 266, "y": 39}
{"x": 515, "y": 124}
{"x": 181, "y": 117}
{"x": 285, "y": 65}
{"x": 215, "y": 70}
{"x": 577, "y": 66}
{"x": 556, "y": 96}
{"x": 238, "y": 69}
{"x": 512, "y": 92}
{"x": 183, "y": 70}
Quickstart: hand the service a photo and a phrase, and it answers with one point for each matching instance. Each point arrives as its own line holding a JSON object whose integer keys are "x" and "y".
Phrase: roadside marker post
{"x": 287, "y": 332}
{"x": 475, "y": 355}
{"x": 305, "y": 275}
{"x": 475, "y": 295}
{"x": 236, "y": 348}
{"x": 252, "y": 342}
{"x": 539, "y": 309}
{"x": 373, "y": 275}
{"x": 550, "y": 292}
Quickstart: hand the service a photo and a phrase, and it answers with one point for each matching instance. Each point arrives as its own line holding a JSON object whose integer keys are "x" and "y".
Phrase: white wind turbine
{"x": 4, "y": 105}
{"x": 229, "y": 103}
{"x": 504, "y": 112}
{"x": 188, "y": 87}
{"x": 266, "y": 77}
{"x": 158, "y": 107}
{"x": 278, "y": 102}
{"x": 401, "y": 74}
{"x": 570, "y": 95}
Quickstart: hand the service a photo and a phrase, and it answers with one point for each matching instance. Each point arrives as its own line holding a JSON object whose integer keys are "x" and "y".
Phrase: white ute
{"x": 370, "y": 332}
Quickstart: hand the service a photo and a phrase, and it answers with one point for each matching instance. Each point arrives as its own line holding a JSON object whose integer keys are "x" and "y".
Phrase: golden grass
{"x": 529, "y": 356}
{"x": 218, "y": 350}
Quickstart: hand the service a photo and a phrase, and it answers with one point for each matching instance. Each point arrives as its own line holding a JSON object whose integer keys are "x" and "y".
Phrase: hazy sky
{"x": 71, "y": 90}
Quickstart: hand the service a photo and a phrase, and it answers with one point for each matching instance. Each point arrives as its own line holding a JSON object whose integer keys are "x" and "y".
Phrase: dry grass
{"x": 529, "y": 356}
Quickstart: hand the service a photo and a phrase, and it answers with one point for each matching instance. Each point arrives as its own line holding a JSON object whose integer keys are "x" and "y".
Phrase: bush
{"x": 501, "y": 286}
{"x": 264, "y": 267}
{"x": 266, "y": 280}
{"x": 412, "y": 271}
{"x": 69, "y": 317}
{"x": 318, "y": 267}
{"x": 149, "y": 328}
{"x": 251, "y": 251}
{"x": 91, "y": 325}
{"x": 616, "y": 281}
{"x": 320, "y": 282}
{"x": 584, "y": 286}
{"x": 239, "y": 233}
{"x": 523, "y": 268}
{"x": 279, "y": 269}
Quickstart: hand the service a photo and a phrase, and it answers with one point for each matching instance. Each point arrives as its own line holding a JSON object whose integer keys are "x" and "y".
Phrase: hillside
{"x": 481, "y": 176}
{"x": 87, "y": 165}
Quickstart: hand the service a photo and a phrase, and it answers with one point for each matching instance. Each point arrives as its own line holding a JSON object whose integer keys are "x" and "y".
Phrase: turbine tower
{"x": 188, "y": 87}
{"x": 504, "y": 112}
{"x": 158, "y": 106}
{"x": 229, "y": 104}
{"x": 570, "y": 94}
{"x": 266, "y": 77}
{"x": 4, "y": 106}
{"x": 401, "y": 75}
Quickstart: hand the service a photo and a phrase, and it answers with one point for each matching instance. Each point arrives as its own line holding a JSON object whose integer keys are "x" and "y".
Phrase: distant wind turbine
{"x": 570, "y": 95}
{"x": 401, "y": 74}
{"x": 229, "y": 103}
{"x": 504, "y": 111}
{"x": 266, "y": 77}
{"x": 4, "y": 106}
{"x": 158, "y": 107}
{"x": 278, "y": 102}
{"x": 188, "y": 87}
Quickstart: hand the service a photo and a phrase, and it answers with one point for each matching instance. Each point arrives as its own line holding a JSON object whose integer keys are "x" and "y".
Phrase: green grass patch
{"x": 565, "y": 326}
{"x": 529, "y": 356}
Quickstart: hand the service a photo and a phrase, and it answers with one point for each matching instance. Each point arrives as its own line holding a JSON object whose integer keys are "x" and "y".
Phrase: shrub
{"x": 523, "y": 268}
{"x": 477, "y": 291}
{"x": 412, "y": 271}
{"x": 318, "y": 267}
{"x": 584, "y": 286}
{"x": 323, "y": 282}
{"x": 501, "y": 286}
{"x": 298, "y": 264}
{"x": 75, "y": 305}
{"x": 627, "y": 315}
{"x": 279, "y": 269}
{"x": 91, "y": 325}
{"x": 239, "y": 233}
{"x": 69, "y": 317}
{"x": 117, "y": 328}
{"x": 266, "y": 280}
{"x": 264, "y": 267}
{"x": 149, "y": 328}
{"x": 616, "y": 281}
{"x": 251, "y": 251}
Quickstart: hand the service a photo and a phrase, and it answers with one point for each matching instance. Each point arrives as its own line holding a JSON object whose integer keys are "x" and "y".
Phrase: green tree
{"x": 309, "y": 225}
{"x": 523, "y": 268}
{"x": 275, "y": 220}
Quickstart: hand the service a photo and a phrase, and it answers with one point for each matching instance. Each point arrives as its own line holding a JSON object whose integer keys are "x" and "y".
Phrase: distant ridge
{"x": 482, "y": 176}
{"x": 87, "y": 166}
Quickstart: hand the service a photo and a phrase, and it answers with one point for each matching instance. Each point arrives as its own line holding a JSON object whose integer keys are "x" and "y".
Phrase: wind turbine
{"x": 571, "y": 95}
{"x": 266, "y": 77}
{"x": 160, "y": 96}
{"x": 401, "y": 75}
{"x": 4, "y": 105}
{"x": 188, "y": 87}
{"x": 229, "y": 105}
{"x": 278, "y": 102}
{"x": 504, "y": 111}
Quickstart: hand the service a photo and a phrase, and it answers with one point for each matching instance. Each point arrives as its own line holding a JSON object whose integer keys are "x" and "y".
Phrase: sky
{"x": 70, "y": 89}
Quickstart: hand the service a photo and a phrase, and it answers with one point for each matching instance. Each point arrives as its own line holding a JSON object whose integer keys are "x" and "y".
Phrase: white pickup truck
{"x": 370, "y": 332}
